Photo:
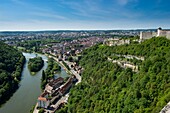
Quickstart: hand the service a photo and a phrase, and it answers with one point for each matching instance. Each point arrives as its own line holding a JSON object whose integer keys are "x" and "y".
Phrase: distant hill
{"x": 108, "y": 88}
{"x": 11, "y": 64}
{"x": 3, "y": 33}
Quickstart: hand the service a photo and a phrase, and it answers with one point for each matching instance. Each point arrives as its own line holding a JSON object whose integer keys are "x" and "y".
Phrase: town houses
{"x": 54, "y": 90}
{"x": 54, "y": 84}
{"x": 71, "y": 48}
{"x": 43, "y": 100}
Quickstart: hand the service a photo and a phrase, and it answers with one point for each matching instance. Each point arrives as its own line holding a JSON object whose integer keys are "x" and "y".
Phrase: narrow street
{"x": 64, "y": 98}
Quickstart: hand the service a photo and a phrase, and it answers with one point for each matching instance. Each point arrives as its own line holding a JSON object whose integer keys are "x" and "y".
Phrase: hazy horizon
{"x": 76, "y": 30}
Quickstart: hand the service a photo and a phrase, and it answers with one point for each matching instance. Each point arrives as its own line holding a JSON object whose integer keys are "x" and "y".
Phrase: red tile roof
{"x": 42, "y": 99}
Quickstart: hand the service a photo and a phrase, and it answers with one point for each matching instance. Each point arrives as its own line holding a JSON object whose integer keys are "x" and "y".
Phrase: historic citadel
{"x": 160, "y": 32}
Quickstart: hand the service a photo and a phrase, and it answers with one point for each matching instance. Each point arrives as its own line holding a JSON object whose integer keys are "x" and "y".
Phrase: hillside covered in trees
{"x": 108, "y": 88}
{"x": 11, "y": 65}
{"x": 35, "y": 64}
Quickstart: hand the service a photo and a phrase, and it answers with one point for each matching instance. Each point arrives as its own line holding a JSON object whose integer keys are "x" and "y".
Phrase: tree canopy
{"x": 52, "y": 68}
{"x": 108, "y": 88}
{"x": 35, "y": 64}
{"x": 11, "y": 64}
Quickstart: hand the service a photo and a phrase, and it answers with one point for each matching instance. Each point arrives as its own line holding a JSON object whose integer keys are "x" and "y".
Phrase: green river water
{"x": 29, "y": 89}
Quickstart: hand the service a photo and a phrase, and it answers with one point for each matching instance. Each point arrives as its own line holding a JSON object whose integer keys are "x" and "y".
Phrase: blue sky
{"x": 83, "y": 14}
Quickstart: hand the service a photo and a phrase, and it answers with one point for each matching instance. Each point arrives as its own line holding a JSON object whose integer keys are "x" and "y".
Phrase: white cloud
{"x": 125, "y": 2}
{"x": 36, "y": 25}
{"x": 19, "y": 2}
{"x": 86, "y": 8}
{"x": 49, "y": 15}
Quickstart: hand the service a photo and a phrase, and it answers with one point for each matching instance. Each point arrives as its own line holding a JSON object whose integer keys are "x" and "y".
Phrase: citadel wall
{"x": 160, "y": 32}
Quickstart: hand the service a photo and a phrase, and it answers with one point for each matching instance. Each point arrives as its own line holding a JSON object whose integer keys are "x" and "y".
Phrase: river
{"x": 29, "y": 88}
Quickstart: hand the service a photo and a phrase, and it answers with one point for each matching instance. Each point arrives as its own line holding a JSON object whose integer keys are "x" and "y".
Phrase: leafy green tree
{"x": 107, "y": 87}
{"x": 11, "y": 65}
{"x": 43, "y": 75}
{"x": 35, "y": 64}
{"x": 52, "y": 68}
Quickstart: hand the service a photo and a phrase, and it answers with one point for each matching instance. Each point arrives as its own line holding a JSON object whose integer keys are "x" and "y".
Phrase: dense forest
{"x": 11, "y": 65}
{"x": 35, "y": 64}
{"x": 108, "y": 88}
{"x": 52, "y": 68}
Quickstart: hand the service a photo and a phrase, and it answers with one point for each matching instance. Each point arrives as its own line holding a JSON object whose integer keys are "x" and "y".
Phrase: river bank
{"x": 29, "y": 88}
{"x": 64, "y": 97}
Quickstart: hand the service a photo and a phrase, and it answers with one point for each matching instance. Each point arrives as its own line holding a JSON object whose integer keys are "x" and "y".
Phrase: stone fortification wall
{"x": 160, "y": 32}
{"x": 147, "y": 35}
{"x": 165, "y": 33}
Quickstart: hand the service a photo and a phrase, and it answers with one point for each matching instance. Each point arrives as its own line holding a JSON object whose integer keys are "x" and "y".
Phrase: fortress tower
{"x": 159, "y": 30}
